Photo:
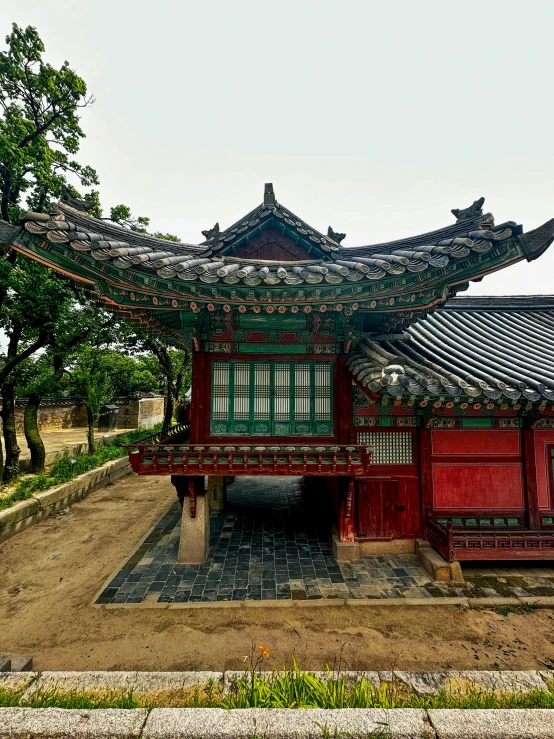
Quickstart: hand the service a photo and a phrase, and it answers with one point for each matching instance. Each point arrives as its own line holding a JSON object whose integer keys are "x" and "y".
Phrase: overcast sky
{"x": 374, "y": 117}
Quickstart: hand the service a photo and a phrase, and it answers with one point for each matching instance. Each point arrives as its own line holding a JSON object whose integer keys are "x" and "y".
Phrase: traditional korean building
{"x": 423, "y": 414}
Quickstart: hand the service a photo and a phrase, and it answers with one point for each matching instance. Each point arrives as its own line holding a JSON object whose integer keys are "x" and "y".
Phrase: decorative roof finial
{"x": 474, "y": 211}
{"x": 269, "y": 196}
{"x": 78, "y": 203}
{"x": 212, "y": 233}
{"x": 335, "y": 236}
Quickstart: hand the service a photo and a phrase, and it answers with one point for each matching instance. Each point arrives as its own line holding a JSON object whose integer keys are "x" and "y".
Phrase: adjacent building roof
{"x": 478, "y": 346}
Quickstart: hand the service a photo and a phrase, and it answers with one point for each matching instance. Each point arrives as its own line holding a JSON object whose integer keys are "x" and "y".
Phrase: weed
{"x": 326, "y": 732}
{"x": 56, "y": 698}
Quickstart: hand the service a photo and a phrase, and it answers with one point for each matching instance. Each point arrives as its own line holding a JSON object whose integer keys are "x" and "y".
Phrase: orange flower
{"x": 264, "y": 650}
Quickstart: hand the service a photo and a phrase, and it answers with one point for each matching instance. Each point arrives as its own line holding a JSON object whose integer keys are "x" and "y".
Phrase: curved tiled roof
{"x": 498, "y": 348}
{"x": 213, "y": 262}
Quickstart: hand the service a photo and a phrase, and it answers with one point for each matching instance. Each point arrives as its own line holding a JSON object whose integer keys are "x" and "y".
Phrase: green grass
{"x": 67, "y": 468}
{"x": 287, "y": 688}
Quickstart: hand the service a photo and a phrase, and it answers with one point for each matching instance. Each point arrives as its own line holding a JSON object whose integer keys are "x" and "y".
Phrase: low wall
{"x": 55, "y": 414}
{"x": 41, "y": 505}
{"x": 54, "y": 417}
{"x": 140, "y": 413}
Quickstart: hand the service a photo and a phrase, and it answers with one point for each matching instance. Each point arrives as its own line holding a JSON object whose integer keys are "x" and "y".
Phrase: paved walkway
{"x": 272, "y": 543}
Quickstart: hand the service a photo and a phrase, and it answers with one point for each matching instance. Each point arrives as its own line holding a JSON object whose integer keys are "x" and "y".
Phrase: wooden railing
{"x": 159, "y": 436}
{"x": 440, "y": 536}
{"x": 184, "y": 459}
{"x": 488, "y": 543}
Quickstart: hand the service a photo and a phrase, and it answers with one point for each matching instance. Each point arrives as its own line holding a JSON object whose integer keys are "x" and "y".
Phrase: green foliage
{"x": 164, "y": 364}
{"x": 40, "y": 131}
{"x": 166, "y": 237}
{"x": 122, "y": 214}
{"x": 64, "y": 470}
{"x": 55, "y": 698}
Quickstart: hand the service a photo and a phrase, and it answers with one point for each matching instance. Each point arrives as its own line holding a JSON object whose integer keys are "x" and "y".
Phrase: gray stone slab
{"x": 59, "y": 723}
{"x": 212, "y": 723}
{"x": 5, "y": 664}
{"x": 16, "y": 680}
{"x": 506, "y": 681}
{"x": 153, "y": 682}
{"x": 81, "y": 682}
{"x": 422, "y": 683}
{"x": 513, "y": 723}
{"x": 22, "y": 663}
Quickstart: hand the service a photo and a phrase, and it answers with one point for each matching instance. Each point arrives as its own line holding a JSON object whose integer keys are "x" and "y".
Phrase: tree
{"x": 34, "y": 301}
{"x": 122, "y": 215}
{"x": 40, "y": 131}
{"x": 100, "y": 373}
{"x": 79, "y": 320}
{"x": 40, "y": 135}
{"x": 171, "y": 367}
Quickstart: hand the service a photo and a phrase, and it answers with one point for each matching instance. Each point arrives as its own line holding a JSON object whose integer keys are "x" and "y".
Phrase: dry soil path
{"x": 50, "y": 573}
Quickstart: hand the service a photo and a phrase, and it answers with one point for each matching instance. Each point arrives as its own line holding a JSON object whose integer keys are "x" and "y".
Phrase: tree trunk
{"x": 1, "y": 455}
{"x": 11, "y": 467}
{"x": 32, "y": 434}
{"x": 90, "y": 431}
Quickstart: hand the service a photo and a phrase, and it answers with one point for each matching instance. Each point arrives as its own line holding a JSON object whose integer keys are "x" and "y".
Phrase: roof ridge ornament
{"x": 537, "y": 241}
{"x": 337, "y": 237}
{"x": 475, "y": 210}
{"x": 82, "y": 204}
{"x": 212, "y": 233}
{"x": 269, "y": 196}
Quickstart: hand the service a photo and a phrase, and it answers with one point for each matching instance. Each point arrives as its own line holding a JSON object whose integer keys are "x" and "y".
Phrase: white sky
{"x": 374, "y": 117}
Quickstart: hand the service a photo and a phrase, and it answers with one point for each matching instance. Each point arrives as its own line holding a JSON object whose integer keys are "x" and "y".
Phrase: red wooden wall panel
{"x": 478, "y": 486}
{"x": 388, "y": 507}
{"x": 544, "y": 439}
{"x": 475, "y": 441}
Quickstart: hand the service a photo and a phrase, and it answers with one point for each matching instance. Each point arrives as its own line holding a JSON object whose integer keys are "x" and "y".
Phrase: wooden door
{"x": 381, "y": 513}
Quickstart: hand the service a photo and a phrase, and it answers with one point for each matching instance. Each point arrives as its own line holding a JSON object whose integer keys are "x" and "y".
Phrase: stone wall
{"x": 140, "y": 412}
{"x": 55, "y": 417}
{"x": 71, "y": 413}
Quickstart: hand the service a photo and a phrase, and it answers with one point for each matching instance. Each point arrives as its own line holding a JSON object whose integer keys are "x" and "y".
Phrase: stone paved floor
{"x": 272, "y": 543}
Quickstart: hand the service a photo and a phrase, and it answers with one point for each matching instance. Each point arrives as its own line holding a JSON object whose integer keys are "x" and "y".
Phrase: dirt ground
{"x": 50, "y": 574}
{"x": 54, "y": 441}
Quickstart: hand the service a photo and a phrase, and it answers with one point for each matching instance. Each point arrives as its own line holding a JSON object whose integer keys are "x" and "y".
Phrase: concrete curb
{"x": 216, "y": 723}
{"x": 29, "y": 512}
{"x": 515, "y": 723}
{"x": 460, "y": 602}
{"x": 245, "y": 723}
{"x": 59, "y": 723}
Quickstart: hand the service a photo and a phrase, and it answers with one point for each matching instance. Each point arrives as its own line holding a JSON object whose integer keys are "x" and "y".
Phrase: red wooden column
{"x": 198, "y": 384}
{"x": 347, "y": 522}
{"x": 343, "y": 402}
{"x": 530, "y": 479}
{"x": 425, "y": 474}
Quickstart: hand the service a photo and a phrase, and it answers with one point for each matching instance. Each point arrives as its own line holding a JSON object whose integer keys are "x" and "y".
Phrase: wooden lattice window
{"x": 271, "y": 398}
{"x": 389, "y": 447}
